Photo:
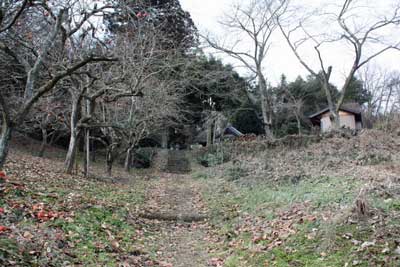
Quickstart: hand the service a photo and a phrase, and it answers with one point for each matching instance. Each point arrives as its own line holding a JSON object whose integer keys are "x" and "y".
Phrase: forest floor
{"x": 335, "y": 203}
{"x": 48, "y": 218}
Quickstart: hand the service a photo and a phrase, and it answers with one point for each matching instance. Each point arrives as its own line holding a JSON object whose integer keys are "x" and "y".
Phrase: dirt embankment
{"x": 370, "y": 155}
{"x": 333, "y": 201}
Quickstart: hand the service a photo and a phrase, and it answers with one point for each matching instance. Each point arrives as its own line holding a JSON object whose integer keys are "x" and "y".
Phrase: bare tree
{"x": 49, "y": 118}
{"x": 141, "y": 77}
{"x": 381, "y": 85}
{"x": 390, "y": 107}
{"x": 374, "y": 81}
{"x": 78, "y": 91}
{"x": 10, "y": 12}
{"x": 394, "y": 86}
{"x": 253, "y": 24}
{"x": 295, "y": 106}
{"x": 141, "y": 57}
{"x": 129, "y": 120}
{"x": 366, "y": 38}
{"x": 20, "y": 44}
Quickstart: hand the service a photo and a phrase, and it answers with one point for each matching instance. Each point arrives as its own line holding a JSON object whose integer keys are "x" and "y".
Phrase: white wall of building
{"x": 347, "y": 120}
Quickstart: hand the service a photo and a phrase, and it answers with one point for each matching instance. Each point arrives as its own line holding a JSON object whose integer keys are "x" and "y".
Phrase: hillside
{"x": 334, "y": 202}
{"x": 172, "y": 134}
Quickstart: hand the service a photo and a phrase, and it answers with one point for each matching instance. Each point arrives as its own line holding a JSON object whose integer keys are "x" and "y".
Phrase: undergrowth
{"x": 247, "y": 217}
{"x": 53, "y": 219}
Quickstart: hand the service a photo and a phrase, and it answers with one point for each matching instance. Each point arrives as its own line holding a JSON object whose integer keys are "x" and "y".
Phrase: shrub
{"x": 214, "y": 157}
{"x": 374, "y": 159}
{"x": 236, "y": 172}
{"x": 143, "y": 157}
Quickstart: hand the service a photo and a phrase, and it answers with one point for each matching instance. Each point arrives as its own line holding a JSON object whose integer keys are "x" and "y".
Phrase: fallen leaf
{"x": 165, "y": 264}
{"x": 217, "y": 262}
{"x": 28, "y": 235}
{"x": 367, "y": 244}
{"x": 115, "y": 244}
{"x": 4, "y": 229}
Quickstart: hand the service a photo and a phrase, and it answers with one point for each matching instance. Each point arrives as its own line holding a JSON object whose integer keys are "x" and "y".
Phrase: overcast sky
{"x": 207, "y": 13}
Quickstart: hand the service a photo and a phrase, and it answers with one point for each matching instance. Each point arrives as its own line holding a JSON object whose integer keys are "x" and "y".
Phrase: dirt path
{"x": 174, "y": 204}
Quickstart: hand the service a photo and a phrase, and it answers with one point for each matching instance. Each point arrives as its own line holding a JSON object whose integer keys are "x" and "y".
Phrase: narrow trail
{"x": 174, "y": 203}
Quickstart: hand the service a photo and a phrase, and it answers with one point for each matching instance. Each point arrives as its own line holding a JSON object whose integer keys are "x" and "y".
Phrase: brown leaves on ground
{"x": 372, "y": 155}
{"x": 369, "y": 160}
{"x": 37, "y": 197}
{"x": 217, "y": 262}
{"x": 267, "y": 234}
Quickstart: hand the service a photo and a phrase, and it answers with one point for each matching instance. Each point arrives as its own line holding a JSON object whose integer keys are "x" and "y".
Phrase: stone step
{"x": 177, "y": 162}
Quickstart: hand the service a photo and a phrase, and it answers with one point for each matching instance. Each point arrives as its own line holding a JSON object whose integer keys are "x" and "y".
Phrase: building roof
{"x": 353, "y": 108}
{"x": 202, "y": 136}
{"x": 233, "y": 131}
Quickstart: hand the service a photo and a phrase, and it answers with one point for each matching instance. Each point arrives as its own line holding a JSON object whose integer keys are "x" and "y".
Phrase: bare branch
{"x": 14, "y": 19}
{"x": 52, "y": 83}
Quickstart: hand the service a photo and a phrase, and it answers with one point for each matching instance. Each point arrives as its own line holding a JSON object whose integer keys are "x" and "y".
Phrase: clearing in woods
{"x": 283, "y": 206}
{"x": 49, "y": 218}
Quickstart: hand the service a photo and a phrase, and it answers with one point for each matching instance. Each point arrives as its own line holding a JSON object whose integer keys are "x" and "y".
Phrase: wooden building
{"x": 350, "y": 117}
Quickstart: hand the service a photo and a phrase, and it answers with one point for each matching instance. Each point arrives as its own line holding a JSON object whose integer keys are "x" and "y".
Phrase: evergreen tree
{"x": 211, "y": 85}
{"x": 176, "y": 25}
{"x": 357, "y": 93}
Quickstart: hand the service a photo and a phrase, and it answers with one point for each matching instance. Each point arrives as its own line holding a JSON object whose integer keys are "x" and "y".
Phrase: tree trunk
{"x": 266, "y": 119}
{"x": 5, "y": 138}
{"x": 210, "y": 127}
{"x": 109, "y": 161}
{"x": 215, "y": 129}
{"x": 54, "y": 138}
{"x": 298, "y": 124}
{"x": 385, "y": 113}
{"x": 73, "y": 141}
{"x": 109, "y": 168}
{"x": 87, "y": 153}
{"x": 335, "y": 119}
{"x": 70, "y": 158}
{"x": 266, "y": 108}
{"x": 128, "y": 159}
{"x": 43, "y": 144}
{"x": 334, "y": 109}
{"x": 87, "y": 135}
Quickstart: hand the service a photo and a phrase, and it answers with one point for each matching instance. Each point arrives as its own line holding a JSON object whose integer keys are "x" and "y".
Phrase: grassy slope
{"x": 281, "y": 207}
{"x": 55, "y": 219}
{"x": 266, "y": 218}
